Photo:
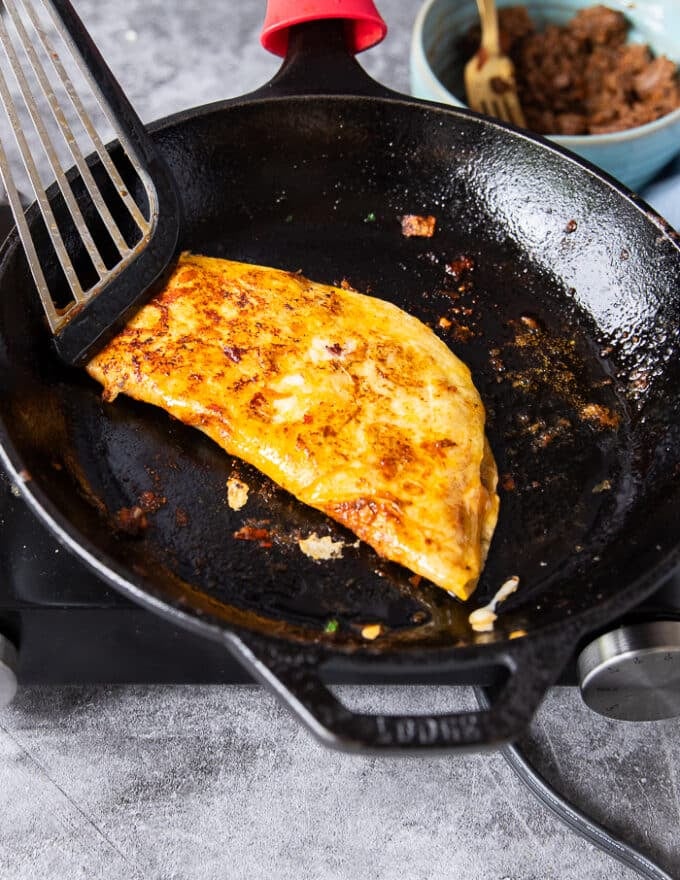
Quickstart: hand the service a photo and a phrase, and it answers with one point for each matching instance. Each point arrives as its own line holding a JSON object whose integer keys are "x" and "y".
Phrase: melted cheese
{"x": 345, "y": 400}
{"x": 483, "y": 619}
{"x": 237, "y": 493}
{"x": 321, "y": 548}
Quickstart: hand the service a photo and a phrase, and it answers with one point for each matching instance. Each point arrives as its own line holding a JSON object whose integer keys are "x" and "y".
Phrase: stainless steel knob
{"x": 633, "y": 673}
{"x": 8, "y": 666}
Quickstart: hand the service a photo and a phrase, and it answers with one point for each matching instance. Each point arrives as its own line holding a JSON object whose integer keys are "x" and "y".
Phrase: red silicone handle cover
{"x": 367, "y": 29}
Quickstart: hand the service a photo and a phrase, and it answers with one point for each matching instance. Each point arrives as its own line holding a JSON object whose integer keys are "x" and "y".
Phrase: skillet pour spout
{"x": 568, "y": 322}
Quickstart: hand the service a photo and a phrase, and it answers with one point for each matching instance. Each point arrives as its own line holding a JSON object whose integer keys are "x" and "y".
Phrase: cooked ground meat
{"x": 583, "y": 78}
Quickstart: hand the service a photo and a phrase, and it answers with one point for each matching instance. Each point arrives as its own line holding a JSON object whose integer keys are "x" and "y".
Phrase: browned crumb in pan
{"x": 415, "y": 225}
{"x": 131, "y": 521}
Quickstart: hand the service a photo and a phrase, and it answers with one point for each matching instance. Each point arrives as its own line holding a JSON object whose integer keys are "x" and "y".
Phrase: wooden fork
{"x": 489, "y": 75}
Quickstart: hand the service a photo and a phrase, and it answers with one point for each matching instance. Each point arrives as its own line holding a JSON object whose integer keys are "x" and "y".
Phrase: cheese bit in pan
{"x": 237, "y": 493}
{"x": 482, "y": 619}
{"x": 321, "y": 548}
{"x": 371, "y": 631}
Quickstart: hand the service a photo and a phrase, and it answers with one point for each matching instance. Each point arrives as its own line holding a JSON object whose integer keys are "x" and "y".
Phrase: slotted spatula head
{"x": 108, "y": 228}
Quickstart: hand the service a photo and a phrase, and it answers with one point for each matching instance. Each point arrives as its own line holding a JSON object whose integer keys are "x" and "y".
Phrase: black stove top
{"x": 71, "y": 627}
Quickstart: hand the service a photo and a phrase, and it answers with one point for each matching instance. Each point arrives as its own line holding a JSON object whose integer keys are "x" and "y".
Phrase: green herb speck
{"x": 331, "y": 626}
{"x": 369, "y": 218}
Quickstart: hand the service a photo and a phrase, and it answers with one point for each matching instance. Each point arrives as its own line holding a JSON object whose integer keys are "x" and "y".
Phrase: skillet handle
{"x": 366, "y": 27}
{"x": 533, "y": 666}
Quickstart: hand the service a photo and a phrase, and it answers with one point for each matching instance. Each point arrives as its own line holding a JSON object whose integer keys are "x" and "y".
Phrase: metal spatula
{"x": 105, "y": 232}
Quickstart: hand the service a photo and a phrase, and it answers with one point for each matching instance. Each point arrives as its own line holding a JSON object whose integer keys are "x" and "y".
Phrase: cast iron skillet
{"x": 569, "y": 321}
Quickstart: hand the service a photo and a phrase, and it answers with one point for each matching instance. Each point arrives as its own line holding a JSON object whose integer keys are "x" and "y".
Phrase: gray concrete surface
{"x": 201, "y": 783}
{"x": 220, "y": 782}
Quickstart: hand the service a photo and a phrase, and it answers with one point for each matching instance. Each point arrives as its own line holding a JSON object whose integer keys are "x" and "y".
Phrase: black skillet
{"x": 568, "y": 319}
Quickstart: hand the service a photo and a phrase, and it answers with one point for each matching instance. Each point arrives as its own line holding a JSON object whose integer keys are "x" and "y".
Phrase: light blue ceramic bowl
{"x": 635, "y": 156}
